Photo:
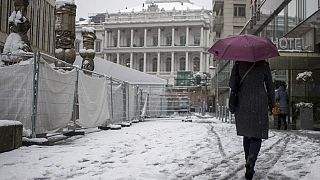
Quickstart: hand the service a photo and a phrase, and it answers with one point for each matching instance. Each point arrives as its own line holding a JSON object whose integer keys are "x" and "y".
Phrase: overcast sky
{"x": 84, "y": 7}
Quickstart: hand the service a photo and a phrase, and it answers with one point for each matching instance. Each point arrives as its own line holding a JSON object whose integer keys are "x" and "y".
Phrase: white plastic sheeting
{"x": 122, "y": 73}
{"x": 144, "y": 108}
{"x": 93, "y": 101}
{"x": 16, "y": 93}
{"x": 118, "y": 104}
{"x": 56, "y": 95}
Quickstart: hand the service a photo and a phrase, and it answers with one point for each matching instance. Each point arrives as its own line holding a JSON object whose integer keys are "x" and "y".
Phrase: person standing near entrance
{"x": 256, "y": 98}
{"x": 283, "y": 99}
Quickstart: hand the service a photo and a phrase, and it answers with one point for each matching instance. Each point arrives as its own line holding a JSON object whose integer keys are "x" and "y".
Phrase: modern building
{"x": 229, "y": 16}
{"x": 294, "y": 26}
{"x": 42, "y": 20}
{"x": 158, "y": 37}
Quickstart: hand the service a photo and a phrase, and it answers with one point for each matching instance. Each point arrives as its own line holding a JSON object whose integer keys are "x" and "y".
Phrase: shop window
{"x": 239, "y": 10}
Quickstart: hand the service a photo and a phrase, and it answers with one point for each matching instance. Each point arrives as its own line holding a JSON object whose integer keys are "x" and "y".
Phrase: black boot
{"x": 250, "y": 167}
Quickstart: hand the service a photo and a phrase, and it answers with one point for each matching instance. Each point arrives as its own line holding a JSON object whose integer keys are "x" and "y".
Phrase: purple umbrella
{"x": 244, "y": 48}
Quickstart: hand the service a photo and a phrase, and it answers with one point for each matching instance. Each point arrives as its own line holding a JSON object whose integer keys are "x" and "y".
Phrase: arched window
{"x": 196, "y": 64}
{"x": 182, "y": 64}
{"x": 168, "y": 65}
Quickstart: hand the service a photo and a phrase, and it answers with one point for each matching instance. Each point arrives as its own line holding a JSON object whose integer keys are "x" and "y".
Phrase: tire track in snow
{"x": 230, "y": 160}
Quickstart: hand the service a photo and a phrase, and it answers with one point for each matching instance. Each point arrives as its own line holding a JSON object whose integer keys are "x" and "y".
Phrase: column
{"x": 172, "y": 62}
{"x": 187, "y": 36}
{"x": 118, "y": 44}
{"x": 201, "y": 36}
{"x": 118, "y": 58}
{"x": 172, "y": 36}
{"x": 158, "y": 64}
{"x": 159, "y": 39}
{"x": 145, "y": 38}
{"x": 201, "y": 62}
{"x": 144, "y": 62}
{"x": 131, "y": 60}
{"x": 208, "y": 38}
{"x": 207, "y": 62}
{"x": 105, "y": 39}
{"x": 131, "y": 38}
{"x": 187, "y": 61}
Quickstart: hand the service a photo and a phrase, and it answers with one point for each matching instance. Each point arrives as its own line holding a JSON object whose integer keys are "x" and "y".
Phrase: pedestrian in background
{"x": 283, "y": 99}
{"x": 256, "y": 97}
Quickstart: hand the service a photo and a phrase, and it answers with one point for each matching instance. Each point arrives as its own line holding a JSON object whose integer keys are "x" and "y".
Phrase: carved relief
{"x": 88, "y": 53}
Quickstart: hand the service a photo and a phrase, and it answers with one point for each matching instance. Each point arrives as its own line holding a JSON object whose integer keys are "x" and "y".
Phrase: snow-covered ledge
{"x": 10, "y": 135}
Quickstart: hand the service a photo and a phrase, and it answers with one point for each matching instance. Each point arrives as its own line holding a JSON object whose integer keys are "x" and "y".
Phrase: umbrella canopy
{"x": 244, "y": 48}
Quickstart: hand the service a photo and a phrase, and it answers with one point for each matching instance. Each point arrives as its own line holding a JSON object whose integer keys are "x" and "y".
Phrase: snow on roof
{"x": 88, "y": 29}
{"x": 163, "y": 5}
{"x": 9, "y": 123}
{"x": 63, "y": 3}
{"x": 122, "y": 73}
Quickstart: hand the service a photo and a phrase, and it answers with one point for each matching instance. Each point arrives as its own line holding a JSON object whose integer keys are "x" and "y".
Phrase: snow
{"x": 17, "y": 18}
{"x": 304, "y": 76}
{"x": 14, "y": 44}
{"x": 165, "y": 149}
{"x": 304, "y": 105}
{"x": 166, "y": 6}
{"x": 35, "y": 140}
{"x": 63, "y": 3}
{"x": 88, "y": 29}
{"x": 9, "y": 123}
{"x": 81, "y": 51}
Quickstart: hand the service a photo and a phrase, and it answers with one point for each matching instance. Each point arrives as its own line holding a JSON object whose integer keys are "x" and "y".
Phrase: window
{"x": 183, "y": 40}
{"x": 127, "y": 63}
{"x": 169, "y": 40}
{"x": 115, "y": 42}
{"x": 182, "y": 64}
{"x": 98, "y": 46}
{"x": 197, "y": 39}
{"x": 155, "y": 40}
{"x": 141, "y": 41}
{"x": 154, "y": 64}
{"x": 141, "y": 61}
{"x": 168, "y": 65}
{"x": 196, "y": 64}
{"x": 239, "y": 10}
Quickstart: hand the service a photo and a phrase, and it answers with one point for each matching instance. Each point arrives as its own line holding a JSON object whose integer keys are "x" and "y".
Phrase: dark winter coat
{"x": 282, "y": 97}
{"x": 256, "y": 98}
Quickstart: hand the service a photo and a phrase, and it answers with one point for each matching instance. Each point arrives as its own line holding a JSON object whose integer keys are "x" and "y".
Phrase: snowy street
{"x": 166, "y": 149}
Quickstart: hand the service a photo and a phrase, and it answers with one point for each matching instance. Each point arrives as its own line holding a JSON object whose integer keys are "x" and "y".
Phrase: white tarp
{"x": 122, "y": 73}
{"x": 56, "y": 96}
{"x": 144, "y": 109}
{"x": 93, "y": 101}
{"x": 16, "y": 93}
{"x": 118, "y": 104}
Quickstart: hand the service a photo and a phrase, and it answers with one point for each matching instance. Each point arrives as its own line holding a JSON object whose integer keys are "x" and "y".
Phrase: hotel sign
{"x": 296, "y": 44}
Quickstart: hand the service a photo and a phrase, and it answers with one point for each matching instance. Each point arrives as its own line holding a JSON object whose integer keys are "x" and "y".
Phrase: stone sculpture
{"x": 88, "y": 53}
{"x": 65, "y": 32}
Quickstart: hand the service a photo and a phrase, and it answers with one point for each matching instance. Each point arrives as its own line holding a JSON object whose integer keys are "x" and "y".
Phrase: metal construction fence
{"x": 46, "y": 98}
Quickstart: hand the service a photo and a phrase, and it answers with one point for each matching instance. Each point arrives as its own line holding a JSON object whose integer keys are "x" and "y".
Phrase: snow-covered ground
{"x": 165, "y": 149}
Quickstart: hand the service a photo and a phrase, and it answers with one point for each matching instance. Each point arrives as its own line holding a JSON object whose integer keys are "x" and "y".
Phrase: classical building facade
{"x": 42, "y": 20}
{"x": 159, "y": 37}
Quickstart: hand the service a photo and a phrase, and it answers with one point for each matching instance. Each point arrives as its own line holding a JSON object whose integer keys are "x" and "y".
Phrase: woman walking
{"x": 253, "y": 83}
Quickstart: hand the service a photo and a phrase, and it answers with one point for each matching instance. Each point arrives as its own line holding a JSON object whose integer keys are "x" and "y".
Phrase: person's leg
{"x": 285, "y": 121}
{"x": 246, "y": 146}
{"x": 279, "y": 121}
{"x": 255, "y": 145}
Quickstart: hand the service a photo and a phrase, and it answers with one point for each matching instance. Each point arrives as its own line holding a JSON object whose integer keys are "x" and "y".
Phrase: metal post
{"x": 124, "y": 115}
{"x": 35, "y": 93}
{"x": 111, "y": 99}
{"x": 75, "y": 101}
{"x": 128, "y": 101}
